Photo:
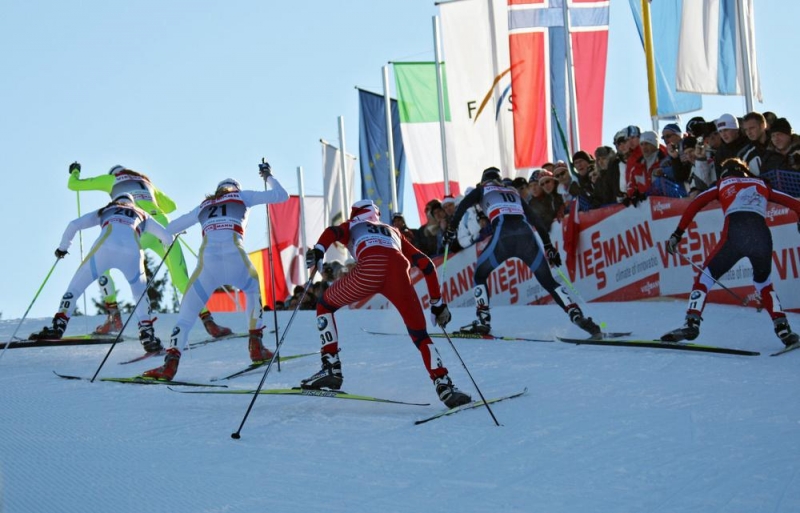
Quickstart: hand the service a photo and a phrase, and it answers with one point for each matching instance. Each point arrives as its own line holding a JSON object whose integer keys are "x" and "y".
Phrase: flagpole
{"x": 502, "y": 140}
{"x": 745, "y": 44}
{"x": 303, "y": 243}
{"x": 575, "y": 136}
{"x": 343, "y": 158}
{"x": 440, "y": 97}
{"x": 651, "y": 65}
{"x": 387, "y": 104}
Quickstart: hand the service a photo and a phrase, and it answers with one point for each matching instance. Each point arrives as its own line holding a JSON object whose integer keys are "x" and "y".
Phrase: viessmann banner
{"x": 621, "y": 256}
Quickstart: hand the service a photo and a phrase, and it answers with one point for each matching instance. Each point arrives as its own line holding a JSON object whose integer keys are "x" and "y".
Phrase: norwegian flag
{"x": 538, "y": 50}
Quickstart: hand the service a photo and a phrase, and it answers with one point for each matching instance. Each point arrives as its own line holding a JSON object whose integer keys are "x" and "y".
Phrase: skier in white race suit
{"x": 222, "y": 260}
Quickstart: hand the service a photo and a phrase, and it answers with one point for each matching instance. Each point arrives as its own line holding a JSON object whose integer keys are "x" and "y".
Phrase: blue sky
{"x": 193, "y": 92}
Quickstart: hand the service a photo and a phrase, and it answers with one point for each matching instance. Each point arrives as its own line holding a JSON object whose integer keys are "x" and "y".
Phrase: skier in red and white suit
{"x": 745, "y": 234}
{"x": 383, "y": 262}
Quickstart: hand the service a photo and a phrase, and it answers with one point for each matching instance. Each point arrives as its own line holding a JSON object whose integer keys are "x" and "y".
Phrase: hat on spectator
{"x": 649, "y": 137}
{"x": 727, "y": 122}
{"x": 546, "y": 164}
{"x": 582, "y": 155}
{"x": 620, "y": 136}
{"x": 672, "y": 128}
{"x": 770, "y": 117}
{"x": 544, "y": 176}
{"x": 688, "y": 142}
{"x": 535, "y": 175}
{"x": 519, "y": 182}
{"x": 632, "y": 131}
{"x": 397, "y": 214}
{"x": 781, "y": 125}
{"x": 602, "y": 152}
{"x": 448, "y": 200}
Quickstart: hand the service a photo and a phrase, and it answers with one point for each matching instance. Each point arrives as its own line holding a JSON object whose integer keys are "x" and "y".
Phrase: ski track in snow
{"x": 601, "y": 429}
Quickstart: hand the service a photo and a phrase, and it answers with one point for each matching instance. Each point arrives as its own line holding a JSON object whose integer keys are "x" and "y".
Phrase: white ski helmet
{"x": 229, "y": 183}
{"x": 365, "y": 210}
{"x": 116, "y": 169}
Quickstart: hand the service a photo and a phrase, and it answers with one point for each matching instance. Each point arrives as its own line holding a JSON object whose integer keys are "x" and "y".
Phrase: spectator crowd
{"x": 678, "y": 163}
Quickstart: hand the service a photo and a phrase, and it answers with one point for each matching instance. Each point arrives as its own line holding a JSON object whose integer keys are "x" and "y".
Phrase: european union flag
{"x": 374, "y": 154}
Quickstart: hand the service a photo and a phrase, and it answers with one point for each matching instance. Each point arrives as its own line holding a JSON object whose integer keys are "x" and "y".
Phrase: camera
{"x": 700, "y": 128}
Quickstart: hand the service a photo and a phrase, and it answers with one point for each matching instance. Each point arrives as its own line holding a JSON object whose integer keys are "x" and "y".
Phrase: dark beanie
{"x": 781, "y": 125}
{"x": 582, "y": 155}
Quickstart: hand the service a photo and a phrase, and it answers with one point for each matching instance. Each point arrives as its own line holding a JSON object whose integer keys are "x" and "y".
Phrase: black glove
{"x": 60, "y": 253}
{"x": 553, "y": 258}
{"x": 440, "y": 314}
{"x": 75, "y": 166}
{"x": 674, "y": 240}
{"x": 448, "y": 237}
{"x": 264, "y": 169}
{"x": 314, "y": 257}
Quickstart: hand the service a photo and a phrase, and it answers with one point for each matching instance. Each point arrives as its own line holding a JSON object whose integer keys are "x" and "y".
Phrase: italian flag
{"x": 418, "y": 102}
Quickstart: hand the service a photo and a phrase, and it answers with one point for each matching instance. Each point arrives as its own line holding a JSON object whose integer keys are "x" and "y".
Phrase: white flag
{"x": 711, "y": 49}
{"x": 475, "y": 41}
{"x": 335, "y": 208}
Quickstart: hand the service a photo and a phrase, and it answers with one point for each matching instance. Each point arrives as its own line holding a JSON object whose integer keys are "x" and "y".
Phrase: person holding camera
{"x": 222, "y": 261}
{"x": 383, "y": 261}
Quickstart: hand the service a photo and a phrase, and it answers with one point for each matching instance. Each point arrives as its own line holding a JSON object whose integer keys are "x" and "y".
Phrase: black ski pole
{"x": 703, "y": 271}
{"x": 470, "y": 375}
{"x": 25, "y": 315}
{"x": 271, "y": 269}
{"x": 237, "y": 435}
{"x": 146, "y": 288}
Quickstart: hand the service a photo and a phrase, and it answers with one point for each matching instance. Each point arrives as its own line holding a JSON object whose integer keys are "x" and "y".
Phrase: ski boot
{"x": 482, "y": 326}
{"x": 150, "y": 342}
{"x": 585, "y": 323}
{"x": 212, "y": 328}
{"x": 330, "y": 376}
{"x": 169, "y": 369}
{"x": 449, "y": 394}
{"x": 258, "y": 353}
{"x": 784, "y": 332}
{"x": 113, "y": 322}
{"x": 689, "y": 331}
{"x": 56, "y": 332}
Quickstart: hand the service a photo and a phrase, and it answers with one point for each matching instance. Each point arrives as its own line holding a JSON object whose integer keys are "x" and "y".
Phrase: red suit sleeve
{"x": 696, "y": 206}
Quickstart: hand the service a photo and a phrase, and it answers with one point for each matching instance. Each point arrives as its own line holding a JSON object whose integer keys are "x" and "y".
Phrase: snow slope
{"x": 601, "y": 429}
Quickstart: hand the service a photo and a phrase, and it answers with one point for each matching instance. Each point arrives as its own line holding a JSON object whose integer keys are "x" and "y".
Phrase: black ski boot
{"x": 585, "y": 323}
{"x": 482, "y": 326}
{"x": 689, "y": 331}
{"x": 449, "y": 394}
{"x": 56, "y": 332}
{"x": 784, "y": 332}
{"x": 330, "y": 376}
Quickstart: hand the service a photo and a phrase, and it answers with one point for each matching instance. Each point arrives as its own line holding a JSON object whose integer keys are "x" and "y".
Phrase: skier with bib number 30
{"x": 383, "y": 262}
{"x": 515, "y": 227}
{"x": 743, "y": 198}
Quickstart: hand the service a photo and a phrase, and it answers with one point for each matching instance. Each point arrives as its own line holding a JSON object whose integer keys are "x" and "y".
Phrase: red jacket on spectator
{"x": 640, "y": 176}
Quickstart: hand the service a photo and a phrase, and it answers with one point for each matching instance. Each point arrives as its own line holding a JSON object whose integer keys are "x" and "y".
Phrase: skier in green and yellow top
{"x": 147, "y": 197}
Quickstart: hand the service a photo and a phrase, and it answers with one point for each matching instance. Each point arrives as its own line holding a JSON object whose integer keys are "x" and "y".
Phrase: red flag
{"x": 538, "y": 52}
{"x": 571, "y": 231}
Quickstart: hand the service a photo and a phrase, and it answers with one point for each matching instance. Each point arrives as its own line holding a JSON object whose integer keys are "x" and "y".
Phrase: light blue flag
{"x": 665, "y": 21}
